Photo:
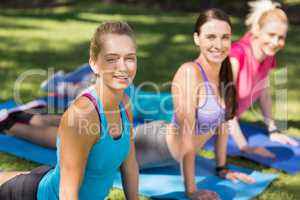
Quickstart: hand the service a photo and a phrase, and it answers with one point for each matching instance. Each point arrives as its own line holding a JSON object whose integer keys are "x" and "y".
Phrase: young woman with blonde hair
{"x": 252, "y": 58}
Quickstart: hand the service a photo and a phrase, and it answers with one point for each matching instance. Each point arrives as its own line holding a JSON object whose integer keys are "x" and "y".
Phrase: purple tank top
{"x": 210, "y": 114}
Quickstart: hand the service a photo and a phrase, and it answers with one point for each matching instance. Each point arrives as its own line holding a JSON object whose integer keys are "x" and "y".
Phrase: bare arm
{"x": 129, "y": 168}
{"x": 221, "y": 153}
{"x": 76, "y": 143}
{"x": 184, "y": 95}
{"x": 237, "y": 134}
{"x": 221, "y": 144}
{"x": 265, "y": 102}
{"x": 185, "y": 92}
{"x": 130, "y": 172}
{"x": 233, "y": 124}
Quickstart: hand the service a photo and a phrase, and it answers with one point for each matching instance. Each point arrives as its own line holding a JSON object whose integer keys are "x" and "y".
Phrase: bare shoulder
{"x": 79, "y": 118}
{"x": 188, "y": 66}
{"x": 187, "y": 71}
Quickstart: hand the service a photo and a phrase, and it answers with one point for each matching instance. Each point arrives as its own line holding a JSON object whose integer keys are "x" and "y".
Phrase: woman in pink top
{"x": 252, "y": 59}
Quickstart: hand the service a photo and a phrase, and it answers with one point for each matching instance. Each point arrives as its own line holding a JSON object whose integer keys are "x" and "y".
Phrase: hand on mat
{"x": 261, "y": 151}
{"x": 235, "y": 177}
{"x": 203, "y": 195}
{"x": 283, "y": 139}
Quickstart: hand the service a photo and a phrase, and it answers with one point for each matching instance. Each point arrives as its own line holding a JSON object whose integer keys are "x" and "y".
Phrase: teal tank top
{"x": 103, "y": 162}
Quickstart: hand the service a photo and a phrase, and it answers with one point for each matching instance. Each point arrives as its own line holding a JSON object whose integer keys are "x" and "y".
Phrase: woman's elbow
{"x": 68, "y": 193}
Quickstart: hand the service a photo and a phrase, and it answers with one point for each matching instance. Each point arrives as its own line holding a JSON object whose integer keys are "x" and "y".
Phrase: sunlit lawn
{"x": 54, "y": 39}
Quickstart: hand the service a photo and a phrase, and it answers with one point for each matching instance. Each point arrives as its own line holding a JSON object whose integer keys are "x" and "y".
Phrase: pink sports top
{"x": 252, "y": 74}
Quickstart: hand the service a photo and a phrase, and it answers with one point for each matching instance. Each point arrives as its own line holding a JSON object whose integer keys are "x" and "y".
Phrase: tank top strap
{"x": 125, "y": 117}
{"x": 208, "y": 88}
{"x": 202, "y": 72}
{"x": 92, "y": 98}
{"x": 124, "y": 109}
{"x": 103, "y": 122}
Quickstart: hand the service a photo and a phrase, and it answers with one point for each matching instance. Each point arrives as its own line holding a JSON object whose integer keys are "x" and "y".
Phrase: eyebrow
{"x": 115, "y": 54}
{"x": 217, "y": 34}
{"x": 131, "y": 54}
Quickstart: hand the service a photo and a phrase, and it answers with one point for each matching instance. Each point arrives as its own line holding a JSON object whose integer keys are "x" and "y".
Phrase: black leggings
{"x": 23, "y": 186}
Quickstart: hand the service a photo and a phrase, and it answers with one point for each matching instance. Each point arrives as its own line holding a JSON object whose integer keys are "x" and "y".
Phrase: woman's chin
{"x": 217, "y": 61}
{"x": 270, "y": 52}
{"x": 120, "y": 86}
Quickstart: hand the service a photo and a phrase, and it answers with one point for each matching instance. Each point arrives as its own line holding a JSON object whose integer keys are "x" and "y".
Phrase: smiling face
{"x": 116, "y": 63}
{"x": 214, "y": 40}
{"x": 271, "y": 37}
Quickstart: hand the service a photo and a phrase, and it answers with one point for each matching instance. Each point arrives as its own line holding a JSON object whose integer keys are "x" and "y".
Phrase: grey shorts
{"x": 151, "y": 146}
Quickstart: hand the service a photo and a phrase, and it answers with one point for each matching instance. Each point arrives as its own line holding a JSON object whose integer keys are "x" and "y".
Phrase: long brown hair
{"x": 226, "y": 83}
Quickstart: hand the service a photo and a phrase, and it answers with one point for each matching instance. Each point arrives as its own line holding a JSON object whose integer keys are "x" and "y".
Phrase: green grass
{"x": 59, "y": 38}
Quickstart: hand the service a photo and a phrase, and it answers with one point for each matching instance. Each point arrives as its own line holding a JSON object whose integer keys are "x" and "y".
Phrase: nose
{"x": 122, "y": 65}
{"x": 275, "y": 41}
{"x": 218, "y": 43}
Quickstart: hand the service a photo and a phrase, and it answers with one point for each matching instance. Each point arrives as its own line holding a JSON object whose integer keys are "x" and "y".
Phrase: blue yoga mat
{"x": 22, "y": 148}
{"x": 169, "y": 185}
{"x": 8, "y": 105}
{"x": 149, "y": 106}
{"x": 287, "y": 157}
{"x": 27, "y": 150}
{"x": 166, "y": 182}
